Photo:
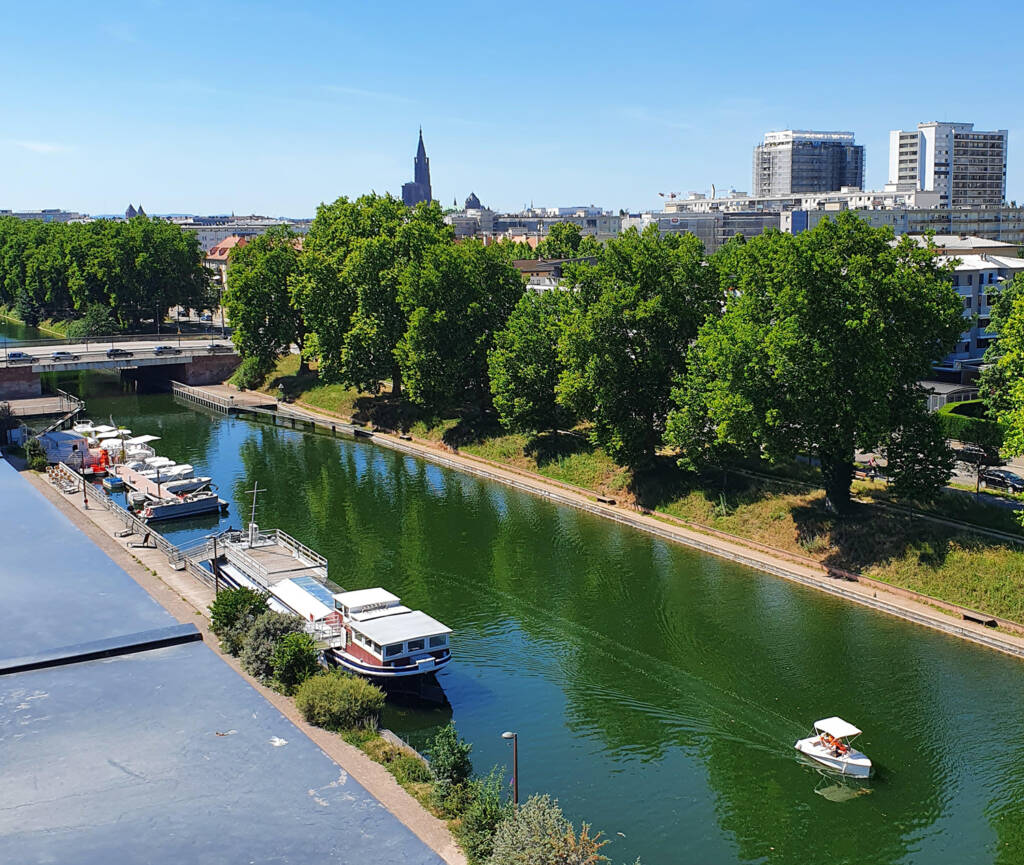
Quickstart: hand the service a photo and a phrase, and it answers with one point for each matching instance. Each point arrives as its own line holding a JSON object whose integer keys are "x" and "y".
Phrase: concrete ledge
{"x": 127, "y": 644}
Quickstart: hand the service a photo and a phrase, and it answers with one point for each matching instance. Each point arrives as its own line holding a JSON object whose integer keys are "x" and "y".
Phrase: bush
{"x": 97, "y": 321}
{"x": 295, "y": 659}
{"x": 409, "y": 769}
{"x": 261, "y": 641}
{"x": 539, "y": 834}
{"x": 337, "y": 700}
{"x": 449, "y": 761}
{"x": 232, "y": 615}
{"x": 966, "y": 422}
{"x": 251, "y": 373}
{"x": 35, "y": 454}
{"x": 483, "y": 811}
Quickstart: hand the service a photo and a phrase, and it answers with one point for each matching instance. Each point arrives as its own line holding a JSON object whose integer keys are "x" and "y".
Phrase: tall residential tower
{"x": 801, "y": 161}
{"x": 419, "y": 188}
{"x": 965, "y": 166}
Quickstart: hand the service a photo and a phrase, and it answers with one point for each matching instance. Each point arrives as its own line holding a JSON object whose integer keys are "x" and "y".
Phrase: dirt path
{"x": 185, "y": 598}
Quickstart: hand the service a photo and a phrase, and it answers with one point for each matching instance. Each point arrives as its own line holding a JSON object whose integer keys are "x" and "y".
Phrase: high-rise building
{"x": 800, "y": 160}
{"x": 965, "y": 166}
{"x": 419, "y": 188}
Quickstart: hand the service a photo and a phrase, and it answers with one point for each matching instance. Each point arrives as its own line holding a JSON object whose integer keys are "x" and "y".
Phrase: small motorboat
{"x": 830, "y": 745}
{"x": 189, "y": 485}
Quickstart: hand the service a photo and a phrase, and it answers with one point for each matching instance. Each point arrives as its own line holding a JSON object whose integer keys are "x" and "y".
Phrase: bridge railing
{"x": 114, "y": 339}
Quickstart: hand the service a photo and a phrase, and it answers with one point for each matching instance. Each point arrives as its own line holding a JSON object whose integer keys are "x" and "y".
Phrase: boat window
{"x": 415, "y": 645}
{"x": 438, "y": 641}
{"x": 391, "y": 651}
{"x": 375, "y": 647}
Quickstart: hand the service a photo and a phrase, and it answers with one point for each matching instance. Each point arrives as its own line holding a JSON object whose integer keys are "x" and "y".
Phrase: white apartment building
{"x": 965, "y": 166}
{"x": 848, "y": 198}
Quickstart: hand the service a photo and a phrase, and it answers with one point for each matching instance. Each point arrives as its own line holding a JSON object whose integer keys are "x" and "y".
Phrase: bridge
{"x": 150, "y": 359}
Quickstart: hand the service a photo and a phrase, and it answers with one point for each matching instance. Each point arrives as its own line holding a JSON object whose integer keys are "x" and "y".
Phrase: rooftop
{"x": 405, "y": 626}
{"x": 365, "y": 598}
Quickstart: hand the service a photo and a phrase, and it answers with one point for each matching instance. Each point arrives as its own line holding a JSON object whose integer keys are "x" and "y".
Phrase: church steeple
{"x": 419, "y": 189}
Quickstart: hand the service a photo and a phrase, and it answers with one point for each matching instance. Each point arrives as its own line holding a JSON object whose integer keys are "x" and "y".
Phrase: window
{"x": 967, "y": 303}
{"x": 415, "y": 645}
{"x": 970, "y": 279}
{"x": 375, "y": 647}
{"x": 391, "y": 651}
{"x": 956, "y": 279}
{"x": 437, "y": 642}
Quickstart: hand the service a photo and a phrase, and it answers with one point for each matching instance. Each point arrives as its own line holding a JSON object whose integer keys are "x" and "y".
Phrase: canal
{"x": 657, "y": 692}
{"x": 11, "y": 334}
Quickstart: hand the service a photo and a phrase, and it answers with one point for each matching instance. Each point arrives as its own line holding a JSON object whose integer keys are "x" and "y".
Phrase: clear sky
{"x": 274, "y": 107}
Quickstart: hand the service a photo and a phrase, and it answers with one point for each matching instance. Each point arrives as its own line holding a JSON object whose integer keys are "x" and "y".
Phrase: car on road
{"x": 218, "y": 348}
{"x": 119, "y": 352}
{"x": 63, "y": 357}
{"x": 1001, "y": 479}
{"x": 20, "y": 357}
{"x": 206, "y": 317}
{"x": 166, "y": 349}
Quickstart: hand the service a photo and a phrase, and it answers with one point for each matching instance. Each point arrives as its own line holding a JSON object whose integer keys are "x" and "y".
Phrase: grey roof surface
{"x": 158, "y": 756}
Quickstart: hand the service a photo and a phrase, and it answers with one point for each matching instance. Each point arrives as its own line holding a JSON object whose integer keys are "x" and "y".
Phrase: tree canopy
{"x": 566, "y": 240}
{"x": 626, "y": 342}
{"x": 819, "y": 351}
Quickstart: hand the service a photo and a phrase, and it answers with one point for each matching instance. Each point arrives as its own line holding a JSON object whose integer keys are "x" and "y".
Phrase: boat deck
{"x": 144, "y": 485}
{"x": 273, "y": 559}
{"x": 280, "y": 563}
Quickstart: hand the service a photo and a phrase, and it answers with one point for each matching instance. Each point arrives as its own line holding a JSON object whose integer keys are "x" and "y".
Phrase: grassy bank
{"x": 56, "y": 329}
{"x": 951, "y": 563}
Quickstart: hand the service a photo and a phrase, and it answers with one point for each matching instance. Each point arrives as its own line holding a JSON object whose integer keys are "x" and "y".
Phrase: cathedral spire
{"x": 419, "y": 189}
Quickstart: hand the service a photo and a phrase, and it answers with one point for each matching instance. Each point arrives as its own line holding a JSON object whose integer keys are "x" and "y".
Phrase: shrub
{"x": 262, "y": 639}
{"x": 295, "y": 659}
{"x": 409, "y": 769}
{"x": 251, "y": 373}
{"x": 337, "y": 700}
{"x": 966, "y": 422}
{"x": 483, "y": 811}
{"x": 539, "y": 834}
{"x": 97, "y": 321}
{"x": 233, "y": 613}
{"x": 35, "y": 453}
{"x": 449, "y": 761}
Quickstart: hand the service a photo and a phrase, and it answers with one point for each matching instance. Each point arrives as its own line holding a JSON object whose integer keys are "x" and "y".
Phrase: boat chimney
{"x": 254, "y": 533}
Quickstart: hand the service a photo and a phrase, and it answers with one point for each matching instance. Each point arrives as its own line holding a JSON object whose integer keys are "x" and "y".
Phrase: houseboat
{"x": 368, "y": 631}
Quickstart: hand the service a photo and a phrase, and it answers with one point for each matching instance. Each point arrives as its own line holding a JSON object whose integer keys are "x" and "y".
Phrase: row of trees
{"x": 117, "y": 272}
{"x": 811, "y": 344}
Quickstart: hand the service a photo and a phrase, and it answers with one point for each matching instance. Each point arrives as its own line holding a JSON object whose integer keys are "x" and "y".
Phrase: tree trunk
{"x": 396, "y": 382}
{"x": 838, "y": 477}
{"x": 303, "y": 366}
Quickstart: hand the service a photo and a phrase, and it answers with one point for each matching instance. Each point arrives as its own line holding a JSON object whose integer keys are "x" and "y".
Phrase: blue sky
{"x": 274, "y": 107}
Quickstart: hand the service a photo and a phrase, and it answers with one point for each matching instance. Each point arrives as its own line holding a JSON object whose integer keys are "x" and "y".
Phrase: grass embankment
{"x": 951, "y": 563}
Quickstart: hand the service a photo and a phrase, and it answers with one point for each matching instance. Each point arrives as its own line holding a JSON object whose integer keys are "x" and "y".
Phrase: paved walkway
{"x": 188, "y": 600}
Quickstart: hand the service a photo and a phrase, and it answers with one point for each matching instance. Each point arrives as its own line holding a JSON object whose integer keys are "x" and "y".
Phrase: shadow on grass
{"x": 550, "y": 447}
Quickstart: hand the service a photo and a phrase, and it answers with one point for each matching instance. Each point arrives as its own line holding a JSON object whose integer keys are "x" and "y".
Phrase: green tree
{"x": 455, "y": 299}
{"x": 538, "y": 833}
{"x": 565, "y": 240}
{"x": 449, "y": 761}
{"x": 262, "y": 640}
{"x": 232, "y": 613}
{"x": 819, "y": 351}
{"x": 257, "y": 296}
{"x": 524, "y": 365}
{"x": 486, "y": 808}
{"x": 295, "y": 659}
{"x": 627, "y": 341}
{"x": 1002, "y": 378}
{"x": 97, "y": 321}
{"x": 373, "y": 271}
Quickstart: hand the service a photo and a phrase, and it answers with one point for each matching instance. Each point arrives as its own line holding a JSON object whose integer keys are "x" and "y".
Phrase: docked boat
{"x": 184, "y": 506}
{"x": 188, "y": 485}
{"x": 831, "y": 745}
{"x": 368, "y": 632}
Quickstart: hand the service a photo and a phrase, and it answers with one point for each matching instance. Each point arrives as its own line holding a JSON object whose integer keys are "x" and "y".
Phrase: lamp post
{"x": 515, "y": 766}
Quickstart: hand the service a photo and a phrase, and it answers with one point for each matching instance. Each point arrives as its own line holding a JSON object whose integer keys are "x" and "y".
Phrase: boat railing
{"x": 299, "y": 549}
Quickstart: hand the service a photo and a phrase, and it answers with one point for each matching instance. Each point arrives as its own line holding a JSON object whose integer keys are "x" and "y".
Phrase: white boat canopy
{"x": 836, "y": 727}
{"x": 141, "y": 440}
{"x": 403, "y": 627}
{"x": 113, "y": 434}
{"x": 301, "y": 601}
{"x": 361, "y": 599}
{"x": 104, "y": 428}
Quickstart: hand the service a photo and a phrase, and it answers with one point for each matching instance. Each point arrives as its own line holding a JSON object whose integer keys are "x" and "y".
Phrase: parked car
{"x": 20, "y": 357}
{"x": 119, "y": 352}
{"x": 63, "y": 357}
{"x": 166, "y": 349}
{"x": 218, "y": 348}
{"x": 206, "y": 317}
{"x": 1001, "y": 479}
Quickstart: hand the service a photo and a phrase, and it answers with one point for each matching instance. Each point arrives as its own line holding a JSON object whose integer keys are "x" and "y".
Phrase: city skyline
{"x": 184, "y": 110}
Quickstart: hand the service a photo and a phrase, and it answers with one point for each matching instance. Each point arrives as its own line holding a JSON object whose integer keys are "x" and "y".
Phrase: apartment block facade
{"x": 797, "y": 161}
{"x": 965, "y": 166}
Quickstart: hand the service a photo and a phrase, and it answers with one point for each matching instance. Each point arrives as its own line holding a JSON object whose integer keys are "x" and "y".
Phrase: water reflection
{"x": 657, "y": 692}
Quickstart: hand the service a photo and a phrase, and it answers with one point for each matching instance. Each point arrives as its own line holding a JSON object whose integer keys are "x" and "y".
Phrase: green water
{"x": 657, "y": 692}
{"x": 11, "y": 333}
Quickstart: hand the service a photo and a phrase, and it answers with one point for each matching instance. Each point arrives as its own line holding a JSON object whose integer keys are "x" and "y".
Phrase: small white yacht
{"x": 830, "y": 745}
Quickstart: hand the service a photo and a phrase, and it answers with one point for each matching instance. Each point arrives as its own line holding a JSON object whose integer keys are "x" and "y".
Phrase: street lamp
{"x": 515, "y": 766}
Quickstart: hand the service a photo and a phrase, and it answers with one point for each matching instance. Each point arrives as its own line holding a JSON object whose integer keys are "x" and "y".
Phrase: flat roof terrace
{"x": 157, "y": 754}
